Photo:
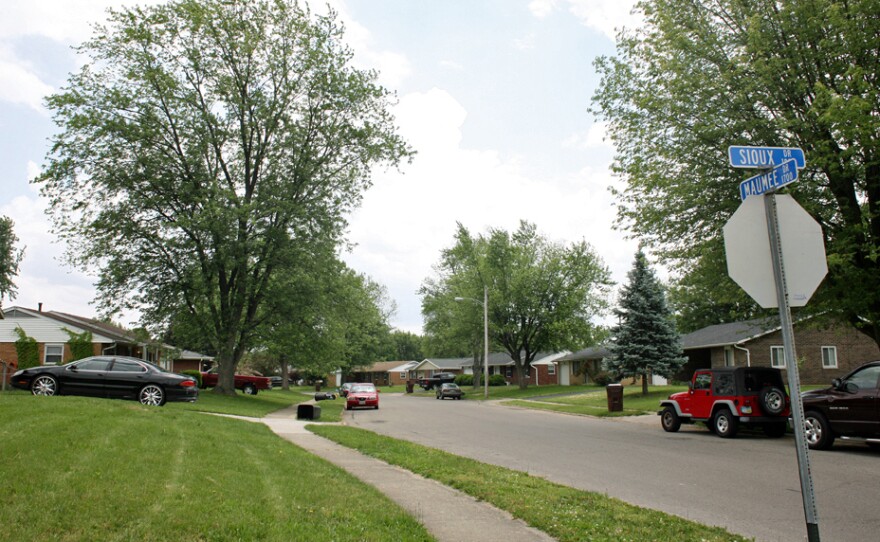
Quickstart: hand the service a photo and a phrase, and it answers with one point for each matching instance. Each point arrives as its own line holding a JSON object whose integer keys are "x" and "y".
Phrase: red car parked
{"x": 248, "y": 384}
{"x": 362, "y": 395}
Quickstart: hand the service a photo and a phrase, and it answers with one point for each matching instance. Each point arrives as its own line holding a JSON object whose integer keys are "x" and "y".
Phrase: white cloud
{"x": 542, "y": 8}
{"x": 19, "y": 84}
{"x": 407, "y": 219}
{"x": 596, "y": 137}
{"x": 451, "y": 64}
{"x": 606, "y": 16}
{"x": 525, "y": 44}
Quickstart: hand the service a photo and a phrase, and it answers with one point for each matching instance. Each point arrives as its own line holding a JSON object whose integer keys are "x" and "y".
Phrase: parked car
{"x": 345, "y": 388}
{"x": 848, "y": 409}
{"x": 248, "y": 384}
{"x": 431, "y": 382}
{"x": 362, "y": 395}
{"x": 725, "y": 398}
{"x": 109, "y": 376}
{"x": 449, "y": 390}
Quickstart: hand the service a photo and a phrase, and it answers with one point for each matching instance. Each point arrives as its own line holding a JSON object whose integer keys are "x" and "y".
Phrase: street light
{"x": 485, "y": 305}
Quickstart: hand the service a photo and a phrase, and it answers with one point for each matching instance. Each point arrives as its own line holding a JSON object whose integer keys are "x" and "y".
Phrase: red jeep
{"x": 726, "y": 397}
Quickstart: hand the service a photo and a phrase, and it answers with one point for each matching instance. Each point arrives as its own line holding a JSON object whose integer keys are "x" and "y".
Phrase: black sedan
{"x": 109, "y": 376}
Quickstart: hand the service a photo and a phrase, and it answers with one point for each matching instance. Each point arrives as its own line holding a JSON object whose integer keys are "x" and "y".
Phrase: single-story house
{"x": 826, "y": 349}
{"x": 399, "y": 374}
{"x": 47, "y": 328}
{"x": 187, "y": 360}
{"x": 575, "y": 368}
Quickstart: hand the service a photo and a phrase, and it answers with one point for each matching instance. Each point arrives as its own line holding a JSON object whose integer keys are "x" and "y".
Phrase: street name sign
{"x": 764, "y": 157}
{"x": 779, "y": 176}
{"x": 749, "y": 261}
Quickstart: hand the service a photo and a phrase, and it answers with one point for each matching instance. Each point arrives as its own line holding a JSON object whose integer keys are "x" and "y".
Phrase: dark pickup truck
{"x": 431, "y": 382}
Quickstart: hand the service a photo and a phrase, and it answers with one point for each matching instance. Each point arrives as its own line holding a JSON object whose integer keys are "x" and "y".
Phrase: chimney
{"x": 39, "y": 307}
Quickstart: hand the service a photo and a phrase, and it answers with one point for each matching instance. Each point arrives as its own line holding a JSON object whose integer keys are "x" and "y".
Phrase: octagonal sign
{"x": 747, "y": 246}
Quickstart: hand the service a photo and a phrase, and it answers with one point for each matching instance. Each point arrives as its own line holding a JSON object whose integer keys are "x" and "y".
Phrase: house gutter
{"x": 748, "y": 354}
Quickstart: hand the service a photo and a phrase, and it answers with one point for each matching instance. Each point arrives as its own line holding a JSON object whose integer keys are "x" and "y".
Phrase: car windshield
{"x": 363, "y": 388}
{"x": 450, "y": 386}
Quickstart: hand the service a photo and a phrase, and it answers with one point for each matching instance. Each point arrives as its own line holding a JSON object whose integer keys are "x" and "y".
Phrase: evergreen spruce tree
{"x": 645, "y": 339}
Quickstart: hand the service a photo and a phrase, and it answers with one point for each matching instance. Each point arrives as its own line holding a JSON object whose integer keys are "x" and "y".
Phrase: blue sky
{"x": 493, "y": 94}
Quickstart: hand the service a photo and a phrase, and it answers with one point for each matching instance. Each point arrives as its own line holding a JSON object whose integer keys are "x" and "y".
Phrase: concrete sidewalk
{"x": 449, "y": 515}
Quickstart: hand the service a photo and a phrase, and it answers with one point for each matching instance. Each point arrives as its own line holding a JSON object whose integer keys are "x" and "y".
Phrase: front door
{"x": 565, "y": 374}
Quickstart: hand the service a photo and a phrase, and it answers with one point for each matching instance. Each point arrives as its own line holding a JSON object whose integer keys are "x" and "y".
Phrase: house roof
{"x": 403, "y": 367}
{"x": 104, "y": 328}
{"x": 496, "y": 359}
{"x": 190, "y": 355}
{"x": 593, "y": 352}
{"x": 551, "y": 359}
{"x": 729, "y": 334}
{"x": 378, "y": 367}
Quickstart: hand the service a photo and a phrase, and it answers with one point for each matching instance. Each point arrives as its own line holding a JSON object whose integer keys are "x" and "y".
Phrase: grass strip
{"x": 564, "y": 513}
{"x": 77, "y": 469}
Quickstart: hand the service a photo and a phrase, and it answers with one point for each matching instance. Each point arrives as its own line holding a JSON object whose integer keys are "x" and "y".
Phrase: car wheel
{"x": 724, "y": 423}
{"x": 818, "y": 432}
{"x": 44, "y": 385}
{"x": 775, "y": 430}
{"x": 151, "y": 395}
{"x": 772, "y": 400}
{"x": 249, "y": 389}
{"x": 669, "y": 420}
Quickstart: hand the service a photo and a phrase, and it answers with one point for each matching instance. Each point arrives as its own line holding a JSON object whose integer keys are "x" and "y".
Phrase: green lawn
{"x": 74, "y": 468}
{"x": 257, "y": 406}
{"x": 567, "y": 514}
{"x": 593, "y": 401}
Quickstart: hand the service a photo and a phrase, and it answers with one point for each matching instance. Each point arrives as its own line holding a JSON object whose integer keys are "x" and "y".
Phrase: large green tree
{"x": 700, "y": 75}
{"x": 200, "y": 142}
{"x": 10, "y": 257}
{"x": 542, "y": 294}
{"x": 645, "y": 340}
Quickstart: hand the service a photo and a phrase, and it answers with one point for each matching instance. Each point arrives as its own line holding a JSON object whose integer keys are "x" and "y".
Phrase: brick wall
{"x": 853, "y": 349}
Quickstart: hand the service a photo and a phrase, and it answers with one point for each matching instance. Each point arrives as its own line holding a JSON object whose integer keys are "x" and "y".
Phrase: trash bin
{"x": 307, "y": 411}
{"x": 318, "y": 385}
{"x": 615, "y": 397}
{"x": 409, "y": 386}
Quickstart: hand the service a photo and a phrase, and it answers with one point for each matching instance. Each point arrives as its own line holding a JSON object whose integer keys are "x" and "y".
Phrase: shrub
{"x": 26, "y": 349}
{"x": 602, "y": 378}
{"x": 80, "y": 344}
{"x": 464, "y": 380}
{"x": 197, "y": 376}
{"x": 497, "y": 380}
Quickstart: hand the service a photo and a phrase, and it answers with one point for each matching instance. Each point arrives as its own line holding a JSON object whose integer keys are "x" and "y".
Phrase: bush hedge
{"x": 197, "y": 376}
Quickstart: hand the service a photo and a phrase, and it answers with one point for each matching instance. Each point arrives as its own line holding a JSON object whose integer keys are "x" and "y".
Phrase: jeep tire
{"x": 772, "y": 400}
{"x": 669, "y": 420}
{"x": 818, "y": 431}
{"x": 724, "y": 423}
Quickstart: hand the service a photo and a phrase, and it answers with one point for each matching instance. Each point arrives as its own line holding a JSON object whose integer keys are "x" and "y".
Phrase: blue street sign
{"x": 769, "y": 181}
{"x": 764, "y": 157}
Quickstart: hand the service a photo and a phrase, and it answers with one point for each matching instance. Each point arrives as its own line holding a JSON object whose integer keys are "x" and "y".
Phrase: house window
{"x": 728, "y": 357}
{"x": 551, "y": 369}
{"x": 509, "y": 372}
{"x": 53, "y": 354}
{"x": 777, "y": 357}
{"x": 829, "y": 357}
{"x": 403, "y": 376}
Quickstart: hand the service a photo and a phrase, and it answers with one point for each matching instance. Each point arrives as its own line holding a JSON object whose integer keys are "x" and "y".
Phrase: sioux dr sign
{"x": 764, "y": 157}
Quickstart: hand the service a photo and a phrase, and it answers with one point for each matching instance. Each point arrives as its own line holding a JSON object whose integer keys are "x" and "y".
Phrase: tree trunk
{"x": 523, "y": 382}
{"x": 645, "y": 383}
{"x": 285, "y": 374}
{"x": 478, "y": 370}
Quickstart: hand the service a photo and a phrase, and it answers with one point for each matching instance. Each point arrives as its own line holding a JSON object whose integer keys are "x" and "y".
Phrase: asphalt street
{"x": 748, "y": 485}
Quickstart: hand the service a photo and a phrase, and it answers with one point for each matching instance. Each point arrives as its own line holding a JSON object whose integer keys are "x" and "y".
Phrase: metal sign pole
{"x": 797, "y": 406}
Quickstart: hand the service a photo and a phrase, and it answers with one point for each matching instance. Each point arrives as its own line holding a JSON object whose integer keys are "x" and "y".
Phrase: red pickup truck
{"x": 246, "y": 383}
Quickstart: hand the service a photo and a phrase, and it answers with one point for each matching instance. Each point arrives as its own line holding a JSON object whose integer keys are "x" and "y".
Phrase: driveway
{"x": 748, "y": 485}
